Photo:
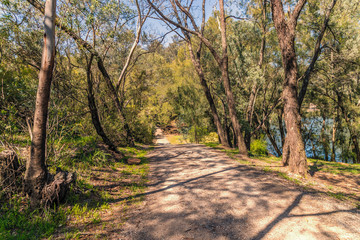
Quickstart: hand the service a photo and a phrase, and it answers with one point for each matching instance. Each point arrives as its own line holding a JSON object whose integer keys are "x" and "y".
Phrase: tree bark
{"x": 294, "y": 153}
{"x": 36, "y": 171}
{"x": 281, "y": 128}
{"x": 333, "y": 137}
{"x": 226, "y": 81}
{"x": 93, "y": 109}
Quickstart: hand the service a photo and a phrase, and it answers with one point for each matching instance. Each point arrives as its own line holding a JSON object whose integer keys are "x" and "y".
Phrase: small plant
{"x": 339, "y": 196}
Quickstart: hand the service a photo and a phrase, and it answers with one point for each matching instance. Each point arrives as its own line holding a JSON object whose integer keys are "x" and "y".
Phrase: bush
{"x": 199, "y": 132}
{"x": 259, "y": 147}
{"x": 211, "y": 138}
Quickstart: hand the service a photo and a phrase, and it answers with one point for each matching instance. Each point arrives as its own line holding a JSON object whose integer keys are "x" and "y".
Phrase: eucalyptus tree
{"x": 294, "y": 149}
{"x": 36, "y": 171}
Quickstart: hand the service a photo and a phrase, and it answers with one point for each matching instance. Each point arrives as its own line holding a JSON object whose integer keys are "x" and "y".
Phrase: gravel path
{"x": 160, "y": 139}
{"x": 199, "y": 193}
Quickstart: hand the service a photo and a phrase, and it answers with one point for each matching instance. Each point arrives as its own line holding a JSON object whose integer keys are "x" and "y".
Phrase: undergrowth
{"x": 85, "y": 201}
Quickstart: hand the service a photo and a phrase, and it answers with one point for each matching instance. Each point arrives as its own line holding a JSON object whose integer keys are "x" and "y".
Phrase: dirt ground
{"x": 199, "y": 193}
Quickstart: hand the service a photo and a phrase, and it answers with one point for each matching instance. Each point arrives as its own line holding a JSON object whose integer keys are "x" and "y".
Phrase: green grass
{"x": 212, "y": 144}
{"x": 18, "y": 221}
{"x": 334, "y": 167}
{"x": 84, "y": 202}
{"x": 339, "y": 196}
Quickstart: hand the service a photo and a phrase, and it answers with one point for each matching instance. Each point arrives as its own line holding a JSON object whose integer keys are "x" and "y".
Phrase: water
{"x": 311, "y": 129}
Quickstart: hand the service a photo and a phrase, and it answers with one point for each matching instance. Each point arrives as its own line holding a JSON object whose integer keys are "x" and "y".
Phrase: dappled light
{"x": 179, "y": 119}
{"x": 197, "y": 193}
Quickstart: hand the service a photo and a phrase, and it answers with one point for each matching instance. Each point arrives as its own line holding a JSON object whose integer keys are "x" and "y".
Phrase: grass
{"x": 19, "y": 222}
{"x": 335, "y": 167}
{"x": 339, "y": 196}
{"x": 86, "y": 201}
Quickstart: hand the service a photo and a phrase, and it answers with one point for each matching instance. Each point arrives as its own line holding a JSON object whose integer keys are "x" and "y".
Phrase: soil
{"x": 196, "y": 192}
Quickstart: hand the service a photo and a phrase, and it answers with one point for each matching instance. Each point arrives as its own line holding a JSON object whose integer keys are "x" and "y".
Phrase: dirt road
{"x": 198, "y": 193}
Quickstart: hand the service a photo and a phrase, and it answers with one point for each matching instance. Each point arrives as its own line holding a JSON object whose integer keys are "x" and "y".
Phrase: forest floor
{"x": 196, "y": 192}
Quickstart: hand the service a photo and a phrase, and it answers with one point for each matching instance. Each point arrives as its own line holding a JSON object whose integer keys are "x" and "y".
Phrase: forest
{"x": 85, "y": 84}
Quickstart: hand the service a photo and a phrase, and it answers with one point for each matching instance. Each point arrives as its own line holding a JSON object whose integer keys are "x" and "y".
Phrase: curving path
{"x": 199, "y": 193}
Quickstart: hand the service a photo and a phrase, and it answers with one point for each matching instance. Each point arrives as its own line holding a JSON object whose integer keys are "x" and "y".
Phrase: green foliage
{"x": 259, "y": 147}
{"x": 211, "y": 137}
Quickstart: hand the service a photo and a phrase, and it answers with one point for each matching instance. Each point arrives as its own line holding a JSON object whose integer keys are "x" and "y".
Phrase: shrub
{"x": 259, "y": 147}
{"x": 211, "y": 138}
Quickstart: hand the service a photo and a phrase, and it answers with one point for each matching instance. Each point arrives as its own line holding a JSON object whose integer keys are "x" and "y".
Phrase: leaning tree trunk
{"x": 266, "y": 128}
{"x": 36, "y": 172}
{"x": 226, "y": 81}
{"x": 93, "y": 109}
{"x": 294, "y": 149}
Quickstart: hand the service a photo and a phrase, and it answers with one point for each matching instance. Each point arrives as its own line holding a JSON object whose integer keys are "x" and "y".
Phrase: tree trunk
{"x": 281, "y": 128}
{"x": 36, "y": 171}
{"x": 227, "y": 86}
{"x": 129, "y": 137}
{"x": 266, "y": 128}
{"x": 356, "y": 148}
{"x": 353, "y": 135}
{"x": 93, "y": 109}
{"x": 333, "y": 137}
{"x": 297, "y": 156}
{"x": 248, "y": 116}
{"x": 324, "y": 140}
{"x": 294, "y": 153}
{"x": 196, "y": 62}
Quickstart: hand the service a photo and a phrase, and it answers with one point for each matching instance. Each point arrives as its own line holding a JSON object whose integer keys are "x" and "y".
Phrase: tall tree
{"x": 294, "y": 150}
{"x": 36, "y": 172}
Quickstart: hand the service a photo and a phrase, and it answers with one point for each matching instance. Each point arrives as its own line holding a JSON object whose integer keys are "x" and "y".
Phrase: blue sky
{"x": 157, "y": 27}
